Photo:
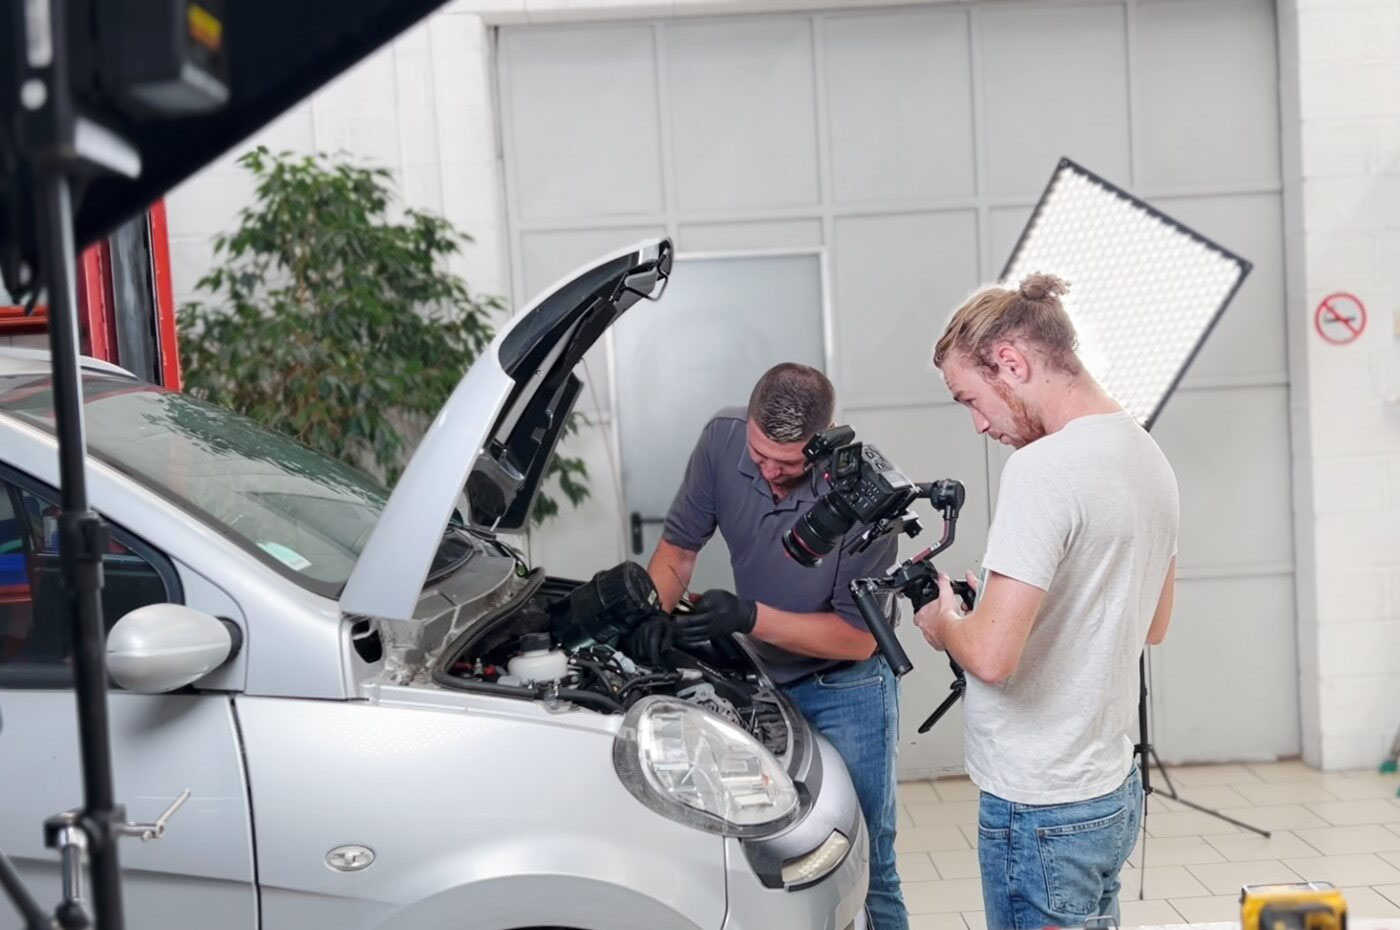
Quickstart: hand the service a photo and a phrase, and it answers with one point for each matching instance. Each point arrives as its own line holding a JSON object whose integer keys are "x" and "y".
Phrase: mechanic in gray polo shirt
{"x": 748, "y": 479}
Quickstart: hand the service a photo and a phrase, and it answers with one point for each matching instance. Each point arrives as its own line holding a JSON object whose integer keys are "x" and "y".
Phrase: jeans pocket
{"x": 1079, "y": 860}
{"x": 864, "y": 675}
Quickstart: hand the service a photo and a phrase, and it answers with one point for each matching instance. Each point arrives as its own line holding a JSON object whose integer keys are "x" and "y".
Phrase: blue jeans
{"x": 857, "y": 709}
{"x": 1055, "y": 865}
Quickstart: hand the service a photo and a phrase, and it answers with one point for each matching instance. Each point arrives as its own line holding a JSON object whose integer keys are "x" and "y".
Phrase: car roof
{"x": 15, "y": 360}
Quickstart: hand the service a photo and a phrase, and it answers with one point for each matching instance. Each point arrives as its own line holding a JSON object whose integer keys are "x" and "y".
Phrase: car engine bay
{"x": 604, "y": 644}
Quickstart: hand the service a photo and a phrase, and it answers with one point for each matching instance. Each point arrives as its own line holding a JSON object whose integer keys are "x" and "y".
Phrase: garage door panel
{"x": 1229, "y": 449}
{"x": 1053, "y": 81}
{"x": 899, "y": 97}
{"x": 743, "y": 114}
{"x": 757, "y": 235}
{"x": 1007, "y": 224}
{"x": 897, "y": 279}
{"x": 1225, "y": 681}
{"x": 546, "y": 257}
{"x": 595, "y": 150}
{"x": 1249, "y": 341}
{"x": 1225, "y": 103}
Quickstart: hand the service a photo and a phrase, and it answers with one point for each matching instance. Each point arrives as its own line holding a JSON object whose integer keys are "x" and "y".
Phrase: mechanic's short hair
{"x": 1031, "y": 312}
{"x": 792, "y": 402}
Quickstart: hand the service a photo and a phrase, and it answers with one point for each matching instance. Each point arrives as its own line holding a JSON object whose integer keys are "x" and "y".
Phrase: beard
{"x": 1026, "y": 427}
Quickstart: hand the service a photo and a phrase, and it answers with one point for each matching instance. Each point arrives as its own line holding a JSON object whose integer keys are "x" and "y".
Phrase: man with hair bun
{"x": 747, "y": 478}
{"x": 1078, "y": 575}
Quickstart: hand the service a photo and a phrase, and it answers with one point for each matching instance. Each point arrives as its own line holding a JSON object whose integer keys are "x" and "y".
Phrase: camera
{"x": 866, "y": 489}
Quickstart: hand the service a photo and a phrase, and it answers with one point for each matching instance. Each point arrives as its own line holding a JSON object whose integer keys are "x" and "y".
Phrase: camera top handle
{"x": 915, "y": 578}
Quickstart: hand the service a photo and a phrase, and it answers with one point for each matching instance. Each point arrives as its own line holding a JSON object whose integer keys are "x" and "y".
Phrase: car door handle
{"x": 638, "y": 521}
{"x": 154, "y": 831}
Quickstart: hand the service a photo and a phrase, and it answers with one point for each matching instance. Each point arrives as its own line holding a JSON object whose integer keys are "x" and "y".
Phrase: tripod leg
{"x": 34, "y": 918}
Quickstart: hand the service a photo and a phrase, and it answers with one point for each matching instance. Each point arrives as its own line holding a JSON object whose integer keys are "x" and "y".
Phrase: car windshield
{"x": 303, "y": 513}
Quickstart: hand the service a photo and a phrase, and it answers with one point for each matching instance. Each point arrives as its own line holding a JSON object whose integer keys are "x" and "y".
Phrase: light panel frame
{"x": 1072, "y": 233}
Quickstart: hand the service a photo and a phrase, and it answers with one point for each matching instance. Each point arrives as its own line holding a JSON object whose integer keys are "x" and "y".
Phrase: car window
{"x": 301, "y": 512}
{"x": 36, "y": 635}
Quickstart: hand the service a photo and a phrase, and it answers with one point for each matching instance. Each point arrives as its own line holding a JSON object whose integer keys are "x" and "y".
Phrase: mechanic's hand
{"x": 717, "y": 615}
{"x": 649, "y": 639}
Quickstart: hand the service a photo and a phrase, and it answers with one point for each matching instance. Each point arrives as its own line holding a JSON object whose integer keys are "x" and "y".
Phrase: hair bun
{"x": 1040, "y": 286}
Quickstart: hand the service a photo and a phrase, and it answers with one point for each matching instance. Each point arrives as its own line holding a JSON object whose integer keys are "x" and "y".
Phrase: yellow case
{"x": 1301, "y": 906}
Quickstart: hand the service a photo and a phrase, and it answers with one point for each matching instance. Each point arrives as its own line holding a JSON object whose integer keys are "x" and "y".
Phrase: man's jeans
{"x": 1055, "y": 865}
{"x": 857, "y": 709}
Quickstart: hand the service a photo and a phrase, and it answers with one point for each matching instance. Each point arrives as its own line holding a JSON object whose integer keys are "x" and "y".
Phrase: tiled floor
{"x": 1338, "y": 827}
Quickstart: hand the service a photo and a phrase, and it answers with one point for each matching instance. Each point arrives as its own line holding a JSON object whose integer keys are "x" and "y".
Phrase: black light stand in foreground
{"x": 52, "y": 147}
{"x": 1123, "y": 256}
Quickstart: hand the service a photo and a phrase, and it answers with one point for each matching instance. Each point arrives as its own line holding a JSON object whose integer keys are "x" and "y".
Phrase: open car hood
{"x": 496, "y": 434}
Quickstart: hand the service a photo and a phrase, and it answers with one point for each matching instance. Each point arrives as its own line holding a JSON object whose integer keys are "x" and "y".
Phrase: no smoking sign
{"x": 1340, "y": 318}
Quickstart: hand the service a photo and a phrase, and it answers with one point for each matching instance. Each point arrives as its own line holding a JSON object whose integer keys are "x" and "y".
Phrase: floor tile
{"x": 1341, "y": 841}
{"x": 1361, "y": 788}
{"x": 936, "y": 922}
{"x": 1369, "y": 903}
{"x": 1293, "y": 770}
{"x": 1249, "y": 847}
{"x": 916, "y": 867}
{"x": 1175, "y": 850}
{"x": 1148, "y": 913}
{"x": 1392, "y": 858}
{"x": 1162, "y": 882}
{"x": 943, "y": 897}
{"x": 1227, "y": 877}
{"x": 916, "y": 792}
{"x": 1209, "y": 910}
{"x": 975, "y": 920}
{"x": 943, "y": 813}
{"x": 956, "y": 789}
{"x": 1276, "y": 817}
{"x": 956, "y": 863}
{"x": 1390, "y": 891}
{"x": 1363, "y": 869}
{"x": 1213, "y": 775}
{"x": 929, "y": 839}
{"x": 1354, "y": 813}
{"x": 969, "y": 832}
{"x": 1185, "y": 823}
{"x": 1212, "y": 796}
{"x": 1286, "y": 792}
{"x": 902, "y": 820}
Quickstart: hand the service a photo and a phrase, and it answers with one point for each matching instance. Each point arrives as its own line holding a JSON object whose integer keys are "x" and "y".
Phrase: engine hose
{"x": 591, "y": 700}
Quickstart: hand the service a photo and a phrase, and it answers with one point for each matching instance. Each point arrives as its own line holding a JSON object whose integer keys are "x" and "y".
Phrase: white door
{"x": 724, "y": 321}
{"x": 200, "y": 874}
{"x": 911, "y": 144}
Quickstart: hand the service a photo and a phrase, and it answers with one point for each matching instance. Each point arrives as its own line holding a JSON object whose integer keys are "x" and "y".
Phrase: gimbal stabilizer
{"x": 917, "y": 579}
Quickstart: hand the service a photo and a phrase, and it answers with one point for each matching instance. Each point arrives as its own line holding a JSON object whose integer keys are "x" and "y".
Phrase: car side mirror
{"x": 161, "y": 647}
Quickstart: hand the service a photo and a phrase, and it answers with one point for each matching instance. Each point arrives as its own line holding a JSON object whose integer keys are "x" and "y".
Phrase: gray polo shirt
{"x": 723, "y": 489}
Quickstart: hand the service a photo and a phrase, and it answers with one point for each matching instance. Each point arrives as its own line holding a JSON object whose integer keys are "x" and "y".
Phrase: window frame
{"x": 37, "y": 677}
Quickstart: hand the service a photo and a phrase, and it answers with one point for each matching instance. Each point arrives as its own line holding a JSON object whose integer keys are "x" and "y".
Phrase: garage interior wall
{"x": 917, "y": 197}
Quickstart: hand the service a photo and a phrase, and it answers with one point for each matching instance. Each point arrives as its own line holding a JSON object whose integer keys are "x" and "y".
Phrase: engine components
{"x": 606, "y": 608}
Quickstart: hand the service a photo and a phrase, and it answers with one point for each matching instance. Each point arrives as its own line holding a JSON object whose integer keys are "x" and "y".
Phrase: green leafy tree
{"x": 331, "y": 322}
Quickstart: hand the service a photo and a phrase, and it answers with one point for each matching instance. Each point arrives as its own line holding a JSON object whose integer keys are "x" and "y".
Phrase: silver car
{"x": 384, "y": 717}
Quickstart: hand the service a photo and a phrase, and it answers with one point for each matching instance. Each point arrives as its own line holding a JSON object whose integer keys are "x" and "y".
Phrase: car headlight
{"x": 695, "y": 767}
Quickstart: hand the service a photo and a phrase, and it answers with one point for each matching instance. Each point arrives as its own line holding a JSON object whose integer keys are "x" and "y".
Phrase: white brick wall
{"x": 1340, "y": 64}
{"x": 424, "y": 107}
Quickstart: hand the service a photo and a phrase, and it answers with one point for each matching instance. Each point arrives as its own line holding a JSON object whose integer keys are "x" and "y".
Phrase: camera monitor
{"x": 1145, "y": 290}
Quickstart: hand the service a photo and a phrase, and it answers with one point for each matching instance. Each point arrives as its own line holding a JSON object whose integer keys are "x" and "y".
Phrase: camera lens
{"x": 816, "y": 533}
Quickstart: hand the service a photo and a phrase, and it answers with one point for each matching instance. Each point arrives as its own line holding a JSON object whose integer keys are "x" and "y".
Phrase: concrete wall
{"x": 1340, "y": 68}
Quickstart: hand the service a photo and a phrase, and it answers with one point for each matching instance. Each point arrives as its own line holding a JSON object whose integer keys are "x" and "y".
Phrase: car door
{"x": 200, "y": 874}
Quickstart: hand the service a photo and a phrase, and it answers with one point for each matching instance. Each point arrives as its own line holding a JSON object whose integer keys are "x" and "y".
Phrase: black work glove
{"x": 649, "y": 640}
{"x": 717, "y": 615}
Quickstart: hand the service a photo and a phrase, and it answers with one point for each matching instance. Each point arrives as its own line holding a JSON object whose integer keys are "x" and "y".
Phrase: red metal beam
{"x": 165, "y": 298}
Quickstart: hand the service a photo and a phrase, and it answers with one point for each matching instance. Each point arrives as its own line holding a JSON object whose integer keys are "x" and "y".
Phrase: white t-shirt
{"x": 1089, "y": 515}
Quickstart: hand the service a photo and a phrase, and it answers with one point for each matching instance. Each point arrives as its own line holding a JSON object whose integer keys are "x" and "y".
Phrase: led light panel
{"x": 1144, "y": 289}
